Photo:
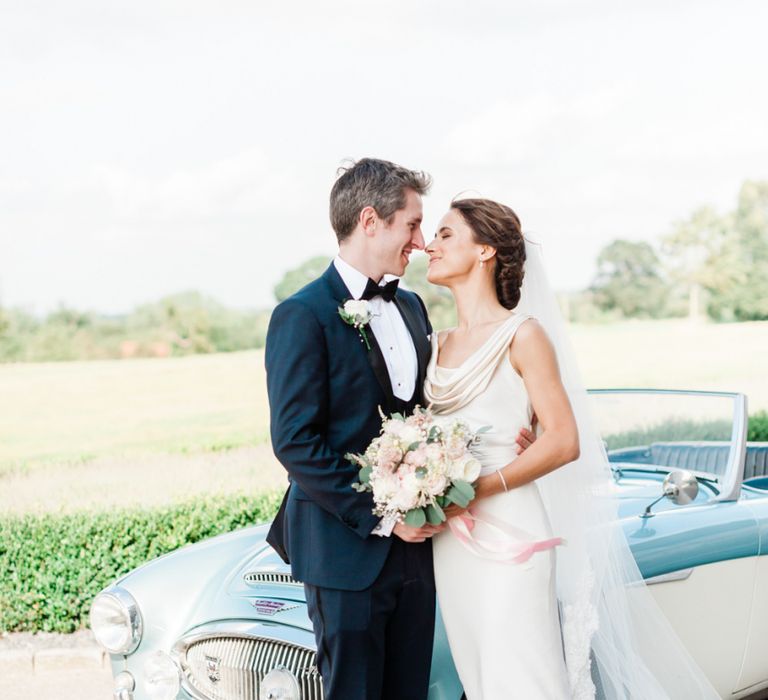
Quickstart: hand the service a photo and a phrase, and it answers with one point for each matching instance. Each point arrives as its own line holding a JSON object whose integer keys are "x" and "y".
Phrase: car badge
{"x": 213, "y": 668}
{"x": 271, "y": 607}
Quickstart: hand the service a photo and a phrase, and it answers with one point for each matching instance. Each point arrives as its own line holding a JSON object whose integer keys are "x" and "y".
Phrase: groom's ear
{"x": 367, "y": 220}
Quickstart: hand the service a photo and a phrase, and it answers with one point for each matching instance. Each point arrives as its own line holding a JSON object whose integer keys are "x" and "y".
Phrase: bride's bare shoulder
{"x": 529, "y": 341}
{"x": 529, "y": 329}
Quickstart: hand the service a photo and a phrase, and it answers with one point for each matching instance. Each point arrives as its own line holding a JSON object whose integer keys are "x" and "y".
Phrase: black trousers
{"x": 376, "y": 644}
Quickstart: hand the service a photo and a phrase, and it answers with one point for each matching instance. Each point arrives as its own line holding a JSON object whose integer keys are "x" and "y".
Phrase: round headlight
{"x": 116, "y": 621}
{"x": 124, "y": 685}
{"x": 279, "y": 684}
{"x": 161, "y": 677}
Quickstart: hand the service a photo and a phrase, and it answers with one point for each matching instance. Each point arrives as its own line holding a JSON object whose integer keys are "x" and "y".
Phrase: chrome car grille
{"x": 270, "y": 577}
{"x": 231, "y": 668}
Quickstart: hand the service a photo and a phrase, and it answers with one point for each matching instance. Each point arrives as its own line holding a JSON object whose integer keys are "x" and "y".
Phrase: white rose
{"x": 407, "y": 495}
{"x": 405, "y": 498}
{"x": 471, "y": 468}
{"x": 357, "y": 307}
{"x": 385, "y": 486}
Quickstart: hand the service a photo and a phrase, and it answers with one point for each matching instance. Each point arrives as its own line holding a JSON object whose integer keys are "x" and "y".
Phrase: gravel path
{"x": 48, "y": 666}
{"x": 81, "y": 639}
{"x": 65, "y": 684}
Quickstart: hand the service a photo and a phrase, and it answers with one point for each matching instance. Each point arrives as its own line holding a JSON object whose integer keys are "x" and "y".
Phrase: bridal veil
{"x": 618, "y": 643}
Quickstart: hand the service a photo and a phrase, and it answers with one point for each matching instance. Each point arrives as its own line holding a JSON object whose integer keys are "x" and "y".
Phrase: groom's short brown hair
{"x": 371, "y": 182}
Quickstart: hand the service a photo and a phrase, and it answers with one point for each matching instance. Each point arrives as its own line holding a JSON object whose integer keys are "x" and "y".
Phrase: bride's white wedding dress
{"x": 501, "y": 617}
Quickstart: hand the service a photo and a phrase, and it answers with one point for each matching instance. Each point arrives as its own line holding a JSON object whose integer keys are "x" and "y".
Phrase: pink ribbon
{"x": 517, "y": 547}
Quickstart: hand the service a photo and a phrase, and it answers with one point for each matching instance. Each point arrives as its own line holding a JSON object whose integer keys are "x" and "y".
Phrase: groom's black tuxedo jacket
{"x": 325, "y": 388}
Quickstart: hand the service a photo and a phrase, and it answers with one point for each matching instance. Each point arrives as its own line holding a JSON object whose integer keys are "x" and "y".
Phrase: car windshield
{"x": 652, "y": 430}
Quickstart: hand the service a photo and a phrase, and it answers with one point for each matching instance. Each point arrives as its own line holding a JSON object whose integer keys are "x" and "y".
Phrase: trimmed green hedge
{"x": 758, "y": 427}
{"x": 52, "y": 566}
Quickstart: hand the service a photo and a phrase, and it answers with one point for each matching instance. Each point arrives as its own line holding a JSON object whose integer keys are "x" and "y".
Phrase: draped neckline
{"x": 492, "y": 336}
{"x": 447, "y": 389}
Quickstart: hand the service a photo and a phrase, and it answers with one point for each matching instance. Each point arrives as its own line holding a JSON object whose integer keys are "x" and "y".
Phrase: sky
{"x": 153, "y": 147}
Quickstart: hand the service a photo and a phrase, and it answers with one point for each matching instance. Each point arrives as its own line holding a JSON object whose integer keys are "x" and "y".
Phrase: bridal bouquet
{"x": 417, "y": 466}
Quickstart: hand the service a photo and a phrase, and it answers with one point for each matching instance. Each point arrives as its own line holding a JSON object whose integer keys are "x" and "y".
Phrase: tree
{"x": 722, "y": 259}
{"x": 745, "y": 296}
{"x": 697, "y": 257}
{"x": 296, "y": 278}
{"x": 630, "y": 279}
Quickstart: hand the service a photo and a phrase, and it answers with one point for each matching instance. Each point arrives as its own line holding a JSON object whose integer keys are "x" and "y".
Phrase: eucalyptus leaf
{"x": 414, "y": 446}
{"x": 415, "y": 517}
{"x": 435, "y": 514}
{"x": 457, "y": 497}
{"x": 466, "y": 489}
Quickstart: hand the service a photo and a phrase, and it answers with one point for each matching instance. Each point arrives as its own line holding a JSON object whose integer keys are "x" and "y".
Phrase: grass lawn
{"x": 77, "y": 411}
{"x": 676, "y": 354}
{"x": 93, "y": 434}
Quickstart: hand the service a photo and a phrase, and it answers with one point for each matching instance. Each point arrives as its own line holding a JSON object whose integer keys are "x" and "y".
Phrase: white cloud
{"x": 242, "y": 184}
{"x": 148, "y": 148}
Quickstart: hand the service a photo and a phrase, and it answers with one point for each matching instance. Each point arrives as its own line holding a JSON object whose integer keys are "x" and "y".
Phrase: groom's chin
{"x": 402, "y": 267}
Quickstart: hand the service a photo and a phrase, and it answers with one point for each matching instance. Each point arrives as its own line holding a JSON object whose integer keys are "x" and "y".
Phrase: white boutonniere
{"x": 357, "y": 313}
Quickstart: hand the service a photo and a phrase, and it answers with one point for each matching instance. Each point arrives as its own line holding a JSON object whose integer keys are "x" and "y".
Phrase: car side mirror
{"x": 680, "y": 486}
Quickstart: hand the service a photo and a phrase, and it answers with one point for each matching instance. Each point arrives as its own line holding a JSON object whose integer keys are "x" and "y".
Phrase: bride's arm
{"x": 533, "y": 356}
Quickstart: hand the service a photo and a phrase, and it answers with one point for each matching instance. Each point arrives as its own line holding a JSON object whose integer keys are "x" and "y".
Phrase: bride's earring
{"x": 482, "y": 262}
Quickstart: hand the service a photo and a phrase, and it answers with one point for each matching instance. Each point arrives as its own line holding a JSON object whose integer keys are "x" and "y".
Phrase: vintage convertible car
{"x": 223, "y": 619}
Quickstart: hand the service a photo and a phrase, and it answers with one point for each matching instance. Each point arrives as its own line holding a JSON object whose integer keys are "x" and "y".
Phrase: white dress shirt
{"x": 390, "y": 330}
{"x": 396, "y": 346}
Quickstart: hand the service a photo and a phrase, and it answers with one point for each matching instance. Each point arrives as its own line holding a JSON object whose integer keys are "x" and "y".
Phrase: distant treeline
{"x": 181, "y": 324}
{"x": 713, "y": 265}
{"x": 710, "y": 265}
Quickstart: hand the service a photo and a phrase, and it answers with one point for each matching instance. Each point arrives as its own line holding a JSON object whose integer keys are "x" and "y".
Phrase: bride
{"x": 539, "y": 592}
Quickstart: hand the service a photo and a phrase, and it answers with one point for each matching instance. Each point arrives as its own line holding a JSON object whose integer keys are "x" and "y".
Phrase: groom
{"x": 369, "y": 584}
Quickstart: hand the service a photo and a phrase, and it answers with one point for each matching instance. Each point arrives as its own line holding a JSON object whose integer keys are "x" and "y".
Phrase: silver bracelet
{"x": 503, "y": 480}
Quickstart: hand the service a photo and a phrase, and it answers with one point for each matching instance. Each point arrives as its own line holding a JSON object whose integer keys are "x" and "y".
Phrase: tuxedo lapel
{"x": 338, "y": 289}
{"x": 420, "y": 340}
{"x": 341, "y": 294}
{"x": 379, "y": 366}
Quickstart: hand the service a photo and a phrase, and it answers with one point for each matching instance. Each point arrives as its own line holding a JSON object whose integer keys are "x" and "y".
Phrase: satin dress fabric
{"x": 501, "y": 618}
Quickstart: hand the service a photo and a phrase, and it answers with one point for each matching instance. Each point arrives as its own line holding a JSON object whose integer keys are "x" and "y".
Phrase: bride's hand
{"x": 481, "y": 491}
{"x": 453, "y": 510}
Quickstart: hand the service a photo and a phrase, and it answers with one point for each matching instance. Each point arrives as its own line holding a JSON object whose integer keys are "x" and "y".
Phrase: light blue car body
{"x": 202, "y": 586}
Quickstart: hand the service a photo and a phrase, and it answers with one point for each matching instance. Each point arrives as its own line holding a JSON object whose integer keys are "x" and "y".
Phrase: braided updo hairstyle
{"x": 497, "y": 225}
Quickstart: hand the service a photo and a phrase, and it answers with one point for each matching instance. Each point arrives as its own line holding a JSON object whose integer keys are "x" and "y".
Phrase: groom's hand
{"x": 415, "y": 534}
{"x": 526, "y": 438}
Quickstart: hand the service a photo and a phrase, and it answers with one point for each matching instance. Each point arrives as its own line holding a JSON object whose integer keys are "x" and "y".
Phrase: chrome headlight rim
{"x": 280, "y": 672}
{"x": 132, "y": 612}
{"x": 161, "y": 666}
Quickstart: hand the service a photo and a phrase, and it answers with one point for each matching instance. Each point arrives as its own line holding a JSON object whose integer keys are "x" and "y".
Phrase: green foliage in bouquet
{"x": 52, "y": 566}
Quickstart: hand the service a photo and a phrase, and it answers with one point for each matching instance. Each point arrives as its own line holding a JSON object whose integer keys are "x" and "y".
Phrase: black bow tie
{"x": 387, "y": 292}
